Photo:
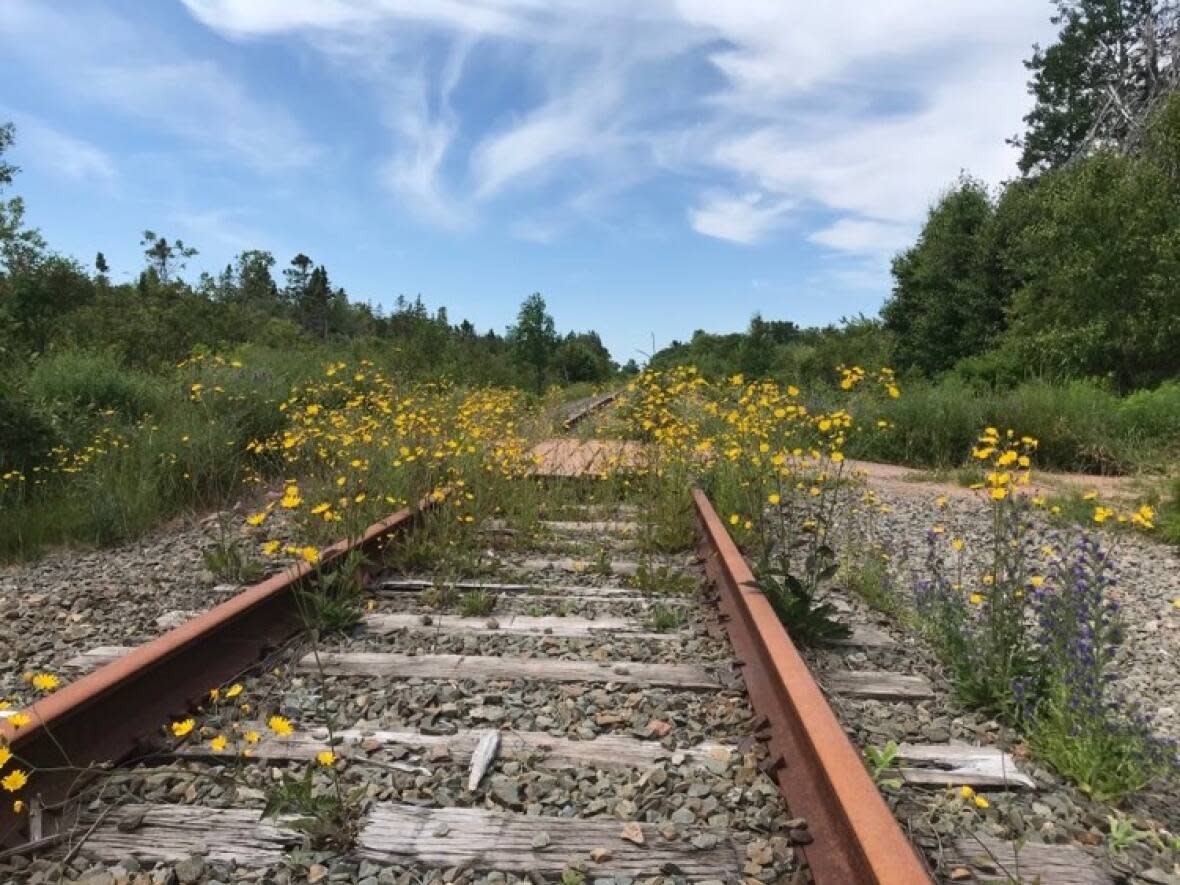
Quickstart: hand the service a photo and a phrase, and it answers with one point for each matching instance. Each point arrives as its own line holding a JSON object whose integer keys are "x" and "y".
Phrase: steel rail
{"x": 582, "y": 409}
{"x": 856, "y": 840}
{"x": 113, "y": 713}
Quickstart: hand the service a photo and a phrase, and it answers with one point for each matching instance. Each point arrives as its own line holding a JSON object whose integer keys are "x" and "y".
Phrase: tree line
{"x": 52, "y": 302}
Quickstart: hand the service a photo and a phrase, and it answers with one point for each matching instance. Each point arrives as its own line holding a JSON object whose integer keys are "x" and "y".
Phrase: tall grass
{"x": 119, "y": 450}
{"x": 1081, "y": 426}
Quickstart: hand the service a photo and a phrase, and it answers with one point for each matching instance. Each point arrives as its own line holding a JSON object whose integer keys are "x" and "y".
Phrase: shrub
{"x": 26, "y": 434}
{"x": 85, "y": 381}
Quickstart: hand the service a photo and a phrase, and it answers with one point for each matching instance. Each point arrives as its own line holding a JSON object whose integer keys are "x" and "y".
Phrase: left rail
{"x": 113, "y": 713}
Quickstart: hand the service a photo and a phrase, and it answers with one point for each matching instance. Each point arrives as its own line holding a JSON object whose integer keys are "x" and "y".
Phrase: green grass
{"x": 1081, "y": 426}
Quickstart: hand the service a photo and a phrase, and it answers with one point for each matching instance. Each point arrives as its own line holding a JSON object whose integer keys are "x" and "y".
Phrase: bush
{"x": 26, "y": 434}
{"x": 1081, "y": 426}
{"x": 86, "y": 381}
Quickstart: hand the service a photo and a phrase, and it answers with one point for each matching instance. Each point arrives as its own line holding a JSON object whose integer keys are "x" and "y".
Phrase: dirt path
{"x": 922, "y": 483}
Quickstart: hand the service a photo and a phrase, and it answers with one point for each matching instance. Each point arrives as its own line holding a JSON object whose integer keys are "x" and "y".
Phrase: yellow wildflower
{"x": 773, "y": 497}
{"x": 234, "y": 690}
{"x": 219, "y": 743}
{"x": 256, "y": 519}
{"x": 15, "y": 780}
{"x": 19, "y": 720}
{"x": 270, "y": 548}
{"x": 183, "y": 727}
{"x": 280, "y": 725}
{"x": 45, "y": 682}
{"x": 981, "y": 802}
{"x": 976, "y": 598}
{"x": 252, "y": 737}
{"x": 326, "y": 758}
{"x": 966, "y": 792}
{"x": 5, "y": 755}
{"x": 734, "y": 519}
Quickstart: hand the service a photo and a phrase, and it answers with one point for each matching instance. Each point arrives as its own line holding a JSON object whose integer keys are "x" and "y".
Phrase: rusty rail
{"x": 856, "y": 838}
{"x": 111, "y": 714}
{"x": 581, "y": 409}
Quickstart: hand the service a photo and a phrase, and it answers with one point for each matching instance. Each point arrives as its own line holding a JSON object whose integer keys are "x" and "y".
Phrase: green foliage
{"x": 665, "y": 618}
{"x": 1169, "y": 516}
{"x": 948, "y": 300}
{"x": 325, "y": 815}
{"x": 781, "y": 350}
{"x": 1081, "y": 426}
{"x": 879, "y": 761}
{"x": 534, "y": 338}
{"x": 477, "y": 603}
{"x": 1105, "y": 48}
{"x": 1097, "y": 262}
{"x": 333, "y": 598}
{"x": 26, "y": 434}
{"x": 230, "y": 560}
{"x": 809, "y": 619}
{"x": 80, "y": 382}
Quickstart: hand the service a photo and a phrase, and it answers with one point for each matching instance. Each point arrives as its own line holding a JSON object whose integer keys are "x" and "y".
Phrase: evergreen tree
{"x": 534, "y": 338}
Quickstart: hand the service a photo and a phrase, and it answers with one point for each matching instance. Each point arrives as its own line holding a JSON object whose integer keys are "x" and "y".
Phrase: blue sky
{"x": 651, "y": 168}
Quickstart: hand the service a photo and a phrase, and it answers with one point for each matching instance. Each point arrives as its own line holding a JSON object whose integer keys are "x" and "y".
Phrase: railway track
{"x": 581, "y": 710}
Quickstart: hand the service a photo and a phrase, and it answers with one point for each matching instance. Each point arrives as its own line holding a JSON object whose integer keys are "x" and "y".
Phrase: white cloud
{"x": 62, "y": 154}
{"x": 739, "y": 219}
{"x": 131, "y": 70}
{"x": 864, "y": 237}
{"x": 198, "y": 102}
{"x": 862, "y": 110}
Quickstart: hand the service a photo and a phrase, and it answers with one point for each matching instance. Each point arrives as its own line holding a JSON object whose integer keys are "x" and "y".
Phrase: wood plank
{"x": 514, "y": 624}
{"x": 864, "y": 636}
{"x": 626, "y": 528}
{"x": 620, "y": 529}
{"x": 998, "y": 861}
{"x": 957, "y": 764}
{"x": 395, "y": 585}
{"x": 878, "y": 684}
{"x": 97, "y": 657}
{"x": 626, "y": 568}
{"x": 171, "y": 833}
{"x": 607, "y": 751}
{"x": 571, "y": 458}
{"x": 475, "y": 838}
{"x": 491, "y": 840}
{"x": 486, "y": 668}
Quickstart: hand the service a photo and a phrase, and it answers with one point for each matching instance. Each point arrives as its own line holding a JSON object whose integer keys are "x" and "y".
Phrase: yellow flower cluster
{"x": 1010, "y": 460}
{"x": 16, "y": 778}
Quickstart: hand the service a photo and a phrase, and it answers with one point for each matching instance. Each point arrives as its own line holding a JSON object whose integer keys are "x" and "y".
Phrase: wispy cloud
{"x": 137, "y": 73}
{"x": 61, "y": 154}
{"x": 744, "y": 218}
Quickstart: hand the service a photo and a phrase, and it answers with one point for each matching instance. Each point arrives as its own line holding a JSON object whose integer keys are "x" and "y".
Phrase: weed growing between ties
{"x": 1030, "y": 632}
{"x": 775, "y": 468}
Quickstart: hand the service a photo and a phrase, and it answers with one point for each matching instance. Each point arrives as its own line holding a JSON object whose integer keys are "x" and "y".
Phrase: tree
{"x": 1097, "y": 85}
{"x": 583, "y": 358}
{"x": 100, "y": 264}
{"x": 20, "y": 247}
{"x": 164, "y": 258}
{"x": 314, "y": 306}
{"x": 1098, "y": 259}
{"x": 534, "y": 338}
{"x": 946, "y": 302}
{"x": 297, "y": 275}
